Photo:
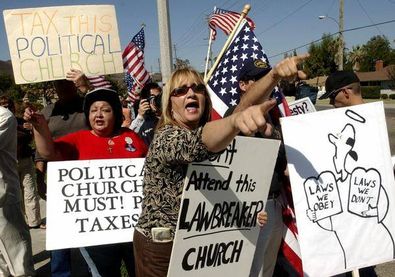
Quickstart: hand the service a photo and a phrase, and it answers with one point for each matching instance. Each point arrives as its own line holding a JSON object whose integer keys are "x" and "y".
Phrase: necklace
{"x": 110, "y": 143}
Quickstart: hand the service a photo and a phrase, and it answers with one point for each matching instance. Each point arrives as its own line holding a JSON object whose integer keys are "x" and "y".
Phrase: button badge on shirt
{"x": 129, "y": 144}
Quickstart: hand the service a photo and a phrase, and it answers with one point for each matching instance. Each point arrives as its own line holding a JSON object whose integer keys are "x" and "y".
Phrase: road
{"x": 41, "y": 257}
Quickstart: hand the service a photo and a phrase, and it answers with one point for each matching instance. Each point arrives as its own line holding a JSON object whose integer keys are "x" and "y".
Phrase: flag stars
{"x": 233, "y": 90}
{"x": 222, "y": 91}
{"x": 254, "y": 56}
{"x": 233, "y": 102}
{"x": 226, "y": 61}
{"x": 223, "y": 80}
{"x": 245, "y": 46}
{"x": 247, "y": 29}
{"x": 235, "y": 49}
{"x": 244, "y": 56}
{"x": 233, "y": 79}
{"x": 215, "y": 83}
{"x": 245, "y": 38}
{"x": 216, "y": 73}
{"x": 224, "y": 70}
{"x": 237, "y": 39}
{"x": 234, "y": 58}
{"x": 233, "y": 68}
{"x": 254, "y": 47}
{"x": 255, "y": 39}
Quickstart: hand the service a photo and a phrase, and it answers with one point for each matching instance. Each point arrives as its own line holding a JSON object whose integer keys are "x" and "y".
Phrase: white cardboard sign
{"x": 301, "y": 106}
{"x": 93, "y": 202}
{"x": 217, "y": 230}
{"x": 343, "y": 188}
{"x": 47, "y": 42}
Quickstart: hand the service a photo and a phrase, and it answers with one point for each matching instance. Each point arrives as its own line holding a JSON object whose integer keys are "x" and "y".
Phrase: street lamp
{"x": 341, "y": 39}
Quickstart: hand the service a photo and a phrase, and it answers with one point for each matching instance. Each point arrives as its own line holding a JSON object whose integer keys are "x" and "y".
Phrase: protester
{"x": 63, "y": 117}
{"x": 344, "y": 90}
{"x": 270, "y": 237}
{"x": 148, "y": 113}
{"x": 127, "y": 114}
{"x": 106, "y": 139}
{"x": 30, "y": 200}
{"x": 15, "y": 241}
{"x": 183, "y": 135}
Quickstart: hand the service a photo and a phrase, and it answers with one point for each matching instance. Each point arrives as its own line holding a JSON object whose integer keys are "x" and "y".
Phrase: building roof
{"x": 380, "y": 75}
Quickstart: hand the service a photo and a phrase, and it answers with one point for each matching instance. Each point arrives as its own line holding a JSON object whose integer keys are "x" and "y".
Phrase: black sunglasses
{"x": 181, "y": 91}
{"x": 334, "y": 94}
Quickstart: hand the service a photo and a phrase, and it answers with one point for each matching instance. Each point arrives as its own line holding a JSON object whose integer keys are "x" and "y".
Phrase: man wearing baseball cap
{"x": 343, "y": 89}
{"x": 270, "y": 235}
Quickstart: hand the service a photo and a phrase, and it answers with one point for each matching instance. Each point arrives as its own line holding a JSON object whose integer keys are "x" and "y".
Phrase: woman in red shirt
{"x": 106, "y": 139}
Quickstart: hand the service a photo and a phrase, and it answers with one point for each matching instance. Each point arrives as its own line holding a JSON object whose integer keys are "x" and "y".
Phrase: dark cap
{"x": 338, "y": 80}
{"x": 111, "y": 97}
{"x": 253, "y": 70}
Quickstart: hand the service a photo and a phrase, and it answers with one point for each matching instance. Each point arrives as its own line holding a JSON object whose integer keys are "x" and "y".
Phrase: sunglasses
{"x": 181, "y": 91}
{"x": 333, "y": 95}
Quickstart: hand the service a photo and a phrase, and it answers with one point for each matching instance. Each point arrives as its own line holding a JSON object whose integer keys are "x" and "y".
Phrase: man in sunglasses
{"x": 270, "y": 235}
{"x": 343, "y": 89}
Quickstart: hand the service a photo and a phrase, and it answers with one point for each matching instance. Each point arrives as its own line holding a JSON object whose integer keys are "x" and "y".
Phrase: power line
{"x": 368, "y": 16}
{"x": 286, "y": 17}
{"x": 347, "y": 30}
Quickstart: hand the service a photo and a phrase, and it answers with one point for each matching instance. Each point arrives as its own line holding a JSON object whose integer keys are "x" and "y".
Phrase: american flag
{"x": 99, "y": 82}
{"x": 133, "y": 88}
{"x": 223, "y": 85}
{"x": 133, "y": 63}
{"x": 226, "y": 21}
{"x": 224, "y": 92}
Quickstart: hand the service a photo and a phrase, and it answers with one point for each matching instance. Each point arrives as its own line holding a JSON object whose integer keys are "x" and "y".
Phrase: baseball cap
{"x": 338, "y": 80}
{"x": 253, "y": 70}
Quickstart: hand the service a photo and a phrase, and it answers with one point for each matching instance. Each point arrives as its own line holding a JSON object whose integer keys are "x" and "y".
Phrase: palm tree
{"x": 355, "y": 56}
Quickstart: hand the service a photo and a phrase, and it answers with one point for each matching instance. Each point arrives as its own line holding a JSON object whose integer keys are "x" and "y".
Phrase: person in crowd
{"x": 15, "y": 241}
{"x": 105, "y": 139}
{"x": 269, "y": 239}
{"x": 148, "y": 113}
{"x": 343, "y": 89}
{"x": 183, "y": 135}
{"x": 30, "y": 200}
{"x": 63, "y": 117}
{"x": 127, "y": 114}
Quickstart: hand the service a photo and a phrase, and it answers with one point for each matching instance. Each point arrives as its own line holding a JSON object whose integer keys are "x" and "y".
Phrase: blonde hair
{"x": 175, "y": 81}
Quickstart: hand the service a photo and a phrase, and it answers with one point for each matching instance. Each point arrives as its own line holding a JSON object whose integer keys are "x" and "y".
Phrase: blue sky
{"x": 281, "y": 25}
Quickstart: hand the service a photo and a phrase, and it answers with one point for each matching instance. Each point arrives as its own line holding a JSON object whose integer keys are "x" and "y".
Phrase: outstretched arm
{"x": 218, "y": 134}
{"x": 79, "y": 79}
{"x": 261, "y": 89}
{"x": 42, "y": 136}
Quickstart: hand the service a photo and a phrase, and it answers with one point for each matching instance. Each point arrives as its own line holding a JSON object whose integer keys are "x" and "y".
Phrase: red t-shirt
{"x": 83, "y": 145}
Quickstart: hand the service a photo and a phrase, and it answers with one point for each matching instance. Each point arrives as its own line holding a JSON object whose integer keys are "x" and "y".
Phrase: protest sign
{"x": 45, "y": 43}
{"x": 301, "y": 106}
{"x": 93, "y": 202}
{"x": 217, "y": 230}
{"x": 343, "y": 188}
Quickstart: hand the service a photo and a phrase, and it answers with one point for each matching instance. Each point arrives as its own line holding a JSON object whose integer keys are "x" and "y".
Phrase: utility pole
{"x": 164, "y": 39}
{"x": 341, "y": 38}
{"x": 175, "y": 56}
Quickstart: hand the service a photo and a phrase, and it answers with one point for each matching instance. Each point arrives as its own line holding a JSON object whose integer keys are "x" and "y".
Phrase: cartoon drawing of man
{"x": 363, "y": 199}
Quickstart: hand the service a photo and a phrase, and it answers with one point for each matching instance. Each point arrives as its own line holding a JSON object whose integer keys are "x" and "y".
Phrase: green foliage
{"x": 377, "y": 48}
{"x": 322, "y": 57}
{"x": 371, "y": 92}
{"x": 384, "y": 96}
{"x": 392, "y": 96}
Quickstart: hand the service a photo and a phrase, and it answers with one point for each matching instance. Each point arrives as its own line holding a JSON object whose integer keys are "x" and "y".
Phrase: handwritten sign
{"x": 343, "y": 188}
{"x": 323, "y": 196}
{"x": 93, "y": 202}
{"x": 217, "y": 230}
{"x": 301, "y": 106}
{"x": 47, "y": 42}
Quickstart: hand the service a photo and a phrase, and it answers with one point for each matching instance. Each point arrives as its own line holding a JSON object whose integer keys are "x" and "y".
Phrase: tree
{"x": 377, "y": 48}
{"x": 354, "y": 58}
{"x": 181, "y": 63}
{"x": 322, "y": 60}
